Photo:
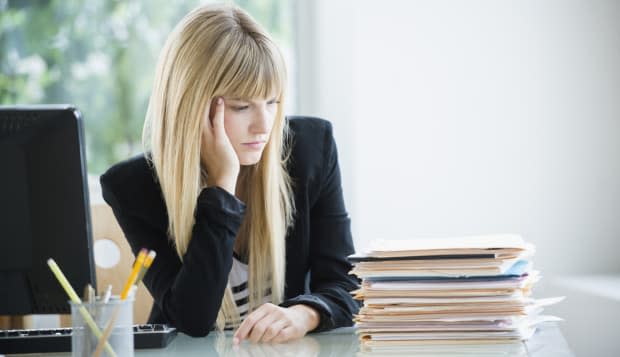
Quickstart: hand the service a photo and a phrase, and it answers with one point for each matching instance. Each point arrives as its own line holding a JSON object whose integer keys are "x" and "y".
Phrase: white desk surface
{"x": 547, "y": 342}
{"x": 591, "y": 326}
{"x": 591, "y": 311}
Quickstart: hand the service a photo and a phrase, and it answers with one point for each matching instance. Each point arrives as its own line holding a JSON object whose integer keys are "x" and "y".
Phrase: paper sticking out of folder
{"x": 459, "y": 290}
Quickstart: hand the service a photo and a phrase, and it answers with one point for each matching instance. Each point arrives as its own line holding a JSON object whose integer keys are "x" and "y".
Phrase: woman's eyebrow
{"x": 251, "y": 101}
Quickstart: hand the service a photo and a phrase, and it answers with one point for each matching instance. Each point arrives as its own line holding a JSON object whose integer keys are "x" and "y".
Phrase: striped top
{"x": 238, "y": 280}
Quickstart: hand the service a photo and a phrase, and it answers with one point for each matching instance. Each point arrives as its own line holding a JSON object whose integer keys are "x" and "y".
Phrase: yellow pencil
{"x": 73, "y": 296}
{"x": 147, "y": 264}
{"x": 134, "y": 273}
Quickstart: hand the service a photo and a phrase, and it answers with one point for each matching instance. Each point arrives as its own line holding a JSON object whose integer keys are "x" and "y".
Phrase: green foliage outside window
{"x": 99, "y": 55}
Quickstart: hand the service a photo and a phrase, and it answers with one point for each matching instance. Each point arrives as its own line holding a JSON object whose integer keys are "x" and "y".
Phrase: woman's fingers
{"x": 286, "y": 334}
{"x": 246, "y": 326}
{"x": 262, "y": 327}
{"x": 217, "y": 153}
{"x": 273, "y": 330}
{"x": 263, "y": 324}
{"x": 207, "y": 131}
{"x": 269, "y": 323}
{"x": 218, "y": 117}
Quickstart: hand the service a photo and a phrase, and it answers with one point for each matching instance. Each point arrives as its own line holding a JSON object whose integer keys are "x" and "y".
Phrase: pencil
{"x": 147, "y": 264}
{"x": 134, "y": 273}
{"x": 73, "y": 296}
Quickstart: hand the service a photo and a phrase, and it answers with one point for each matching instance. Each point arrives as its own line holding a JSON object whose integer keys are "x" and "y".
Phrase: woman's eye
{"x": 241, "y": 108}
{"x": 273, "y": 101}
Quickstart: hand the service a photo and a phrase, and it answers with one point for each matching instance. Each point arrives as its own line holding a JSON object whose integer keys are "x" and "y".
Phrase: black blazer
{"x": 188, "y": 294}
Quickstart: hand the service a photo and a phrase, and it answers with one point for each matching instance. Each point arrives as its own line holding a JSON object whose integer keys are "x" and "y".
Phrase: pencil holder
{"x": 112, "y": 332}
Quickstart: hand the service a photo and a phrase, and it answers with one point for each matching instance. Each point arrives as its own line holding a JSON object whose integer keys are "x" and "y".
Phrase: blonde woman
{"x": 243, "y": 206}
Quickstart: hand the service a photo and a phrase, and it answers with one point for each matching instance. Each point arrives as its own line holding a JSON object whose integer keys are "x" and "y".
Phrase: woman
{"x": 243, "y": 207}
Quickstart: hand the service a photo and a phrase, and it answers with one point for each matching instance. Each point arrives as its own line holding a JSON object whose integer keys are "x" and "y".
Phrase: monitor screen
{"x": 44, "y": 208}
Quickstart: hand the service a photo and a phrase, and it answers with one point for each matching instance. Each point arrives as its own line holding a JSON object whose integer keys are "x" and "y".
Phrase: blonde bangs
{"x": 259, "y": 73}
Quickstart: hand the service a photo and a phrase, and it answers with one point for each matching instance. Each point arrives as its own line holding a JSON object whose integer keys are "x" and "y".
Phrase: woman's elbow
{"x": 197, "y": 322}
{"x": 193, "y": 325}
{"x": 195, "y": 331}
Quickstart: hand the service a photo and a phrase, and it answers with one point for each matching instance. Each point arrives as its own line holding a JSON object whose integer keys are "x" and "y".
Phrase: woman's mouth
{"x": 254, "y": 145}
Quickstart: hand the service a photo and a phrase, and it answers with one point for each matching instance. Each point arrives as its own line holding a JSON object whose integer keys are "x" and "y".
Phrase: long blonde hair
{"x": 219, "y": 50}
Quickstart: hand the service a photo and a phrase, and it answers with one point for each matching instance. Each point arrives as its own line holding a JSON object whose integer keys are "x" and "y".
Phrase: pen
{"x": 107, "y": 294}
{"x": 91, "y": 293}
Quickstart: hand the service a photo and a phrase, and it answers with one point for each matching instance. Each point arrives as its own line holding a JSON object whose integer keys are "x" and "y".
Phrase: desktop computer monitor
{"x": 44, "y": 208}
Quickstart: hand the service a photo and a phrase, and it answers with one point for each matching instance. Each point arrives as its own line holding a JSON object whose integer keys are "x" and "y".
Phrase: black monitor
{"x": 44, "y": 208}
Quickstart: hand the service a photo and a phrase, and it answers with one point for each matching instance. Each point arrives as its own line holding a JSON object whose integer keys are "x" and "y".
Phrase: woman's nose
{"x": 260, "y": 124}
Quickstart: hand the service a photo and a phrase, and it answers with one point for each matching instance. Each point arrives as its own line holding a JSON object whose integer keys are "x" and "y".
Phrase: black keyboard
{"x": 59, "y": 339}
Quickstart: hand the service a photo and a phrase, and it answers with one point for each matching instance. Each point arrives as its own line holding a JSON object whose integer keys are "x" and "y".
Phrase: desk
{"x": 591, "y": 311}
{"x": 548, "y": 342}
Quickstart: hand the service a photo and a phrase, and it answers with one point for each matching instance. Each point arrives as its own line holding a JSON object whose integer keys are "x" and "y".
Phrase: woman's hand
{"x": 216, "y": 152}
{"x": 272, "y": 323}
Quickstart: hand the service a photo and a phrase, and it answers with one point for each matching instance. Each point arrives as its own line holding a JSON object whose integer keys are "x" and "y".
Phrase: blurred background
{"x": 452, "y": 117}
{"x": 100, "y": 55}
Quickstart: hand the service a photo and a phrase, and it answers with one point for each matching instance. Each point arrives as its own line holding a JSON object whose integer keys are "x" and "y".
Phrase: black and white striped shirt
{"x": 238, "y": 280}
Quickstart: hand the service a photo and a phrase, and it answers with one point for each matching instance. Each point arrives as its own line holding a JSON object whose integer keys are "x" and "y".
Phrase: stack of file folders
{"x": 461, "y": 290}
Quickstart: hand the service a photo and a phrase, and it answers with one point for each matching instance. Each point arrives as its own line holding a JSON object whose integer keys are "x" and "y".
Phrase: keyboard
{"x": 59, "y": 339}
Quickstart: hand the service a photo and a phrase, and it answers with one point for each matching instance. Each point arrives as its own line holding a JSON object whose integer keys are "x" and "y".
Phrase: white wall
{"x": 469, "y": 117}
{"x": 325, "y": 75}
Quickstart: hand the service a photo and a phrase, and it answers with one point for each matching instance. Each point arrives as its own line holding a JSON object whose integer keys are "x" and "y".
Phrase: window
{"x": 100, "y": 55}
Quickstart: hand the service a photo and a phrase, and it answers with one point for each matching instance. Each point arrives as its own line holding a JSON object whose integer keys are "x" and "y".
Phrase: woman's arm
{"x": 330, "y": 245}
{"x": 189, "y": 294}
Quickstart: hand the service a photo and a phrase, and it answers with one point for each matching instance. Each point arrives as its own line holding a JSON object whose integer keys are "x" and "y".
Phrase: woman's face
{"x": 248, "y": 124}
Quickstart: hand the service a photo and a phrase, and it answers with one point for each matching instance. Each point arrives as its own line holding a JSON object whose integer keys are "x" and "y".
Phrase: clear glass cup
{"x": 84, "y": 340}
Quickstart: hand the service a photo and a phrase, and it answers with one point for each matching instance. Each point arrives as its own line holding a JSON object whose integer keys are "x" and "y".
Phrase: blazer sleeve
{"x": 189, "y": 293}
{"x": 330, "y": 245}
